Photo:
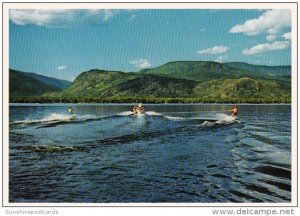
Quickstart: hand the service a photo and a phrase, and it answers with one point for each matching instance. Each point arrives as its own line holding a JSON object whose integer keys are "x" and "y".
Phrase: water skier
{"x": 139, "y": 109}
{"x": 70, "y": 110}
{"x": 234, "y": 111}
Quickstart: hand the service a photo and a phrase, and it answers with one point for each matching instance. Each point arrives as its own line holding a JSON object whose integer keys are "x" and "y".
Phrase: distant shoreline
{"x": 149, "y": 100}
{"x": 152, "y": 104}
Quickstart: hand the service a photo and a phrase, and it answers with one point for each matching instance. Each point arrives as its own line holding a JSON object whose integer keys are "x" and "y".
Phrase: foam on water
{"x": 220, "y": 119}
{"x": 125, "y": 113}
{"x": 222, "y": 116}
{"x": 208, "y": 124}
{"x": 175, "y": 118}
{"x": 53, "y": 149}
{"x": 58, "y": 117}
{"x": 55, "y": 117}
{"x": 248, "y": 163}
{"x": 140, "y": 114}
{"x": 152, "y": 113}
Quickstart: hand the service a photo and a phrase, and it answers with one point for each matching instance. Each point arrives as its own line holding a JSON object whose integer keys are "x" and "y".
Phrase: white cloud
{"x": 141, "y": 63}
{"x": 132, "y": 17}
{"x": 270, "y": 21}
{"x": 39, "y": 17}
{"x": 109, "y": 14}
{"x": 214, "y": 50}
{"x": 61, "y": 18}
{"x": 287, "y": 36}
{"x": 221, "y": 59}
{"x": 63, "y": 67}
{"x": 271, "y": 37}
{"x": 72, "y": 78}
{"x": 266, "y": 47}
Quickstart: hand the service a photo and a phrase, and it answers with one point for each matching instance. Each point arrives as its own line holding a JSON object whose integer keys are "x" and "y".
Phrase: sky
{"x": 65, "y": 43}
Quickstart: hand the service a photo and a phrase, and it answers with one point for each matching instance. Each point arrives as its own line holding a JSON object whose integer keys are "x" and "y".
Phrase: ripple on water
{"x": 274, "y": 171}
{"x": 122, "y": 158}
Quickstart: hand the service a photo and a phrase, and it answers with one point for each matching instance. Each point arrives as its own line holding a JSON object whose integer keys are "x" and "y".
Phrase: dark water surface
{"x": 171, "y": 154}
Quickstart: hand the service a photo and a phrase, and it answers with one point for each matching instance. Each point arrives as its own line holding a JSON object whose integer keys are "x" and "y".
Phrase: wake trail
{"x": 211, "y": 120}
{"x": 125, "y": 113}
{"x": 221, "y": 119}
{"x": 175, "y": 118}
{"x": 55, "y": 119}
{"x": 152, "y": 113}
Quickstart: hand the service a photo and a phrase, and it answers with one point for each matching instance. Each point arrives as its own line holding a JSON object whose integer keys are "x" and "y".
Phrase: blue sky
{"x": 64, "y": 43}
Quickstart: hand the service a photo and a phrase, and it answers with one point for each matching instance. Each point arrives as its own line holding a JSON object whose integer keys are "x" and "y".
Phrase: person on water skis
{"x": 234, "y": 111}
{"x": 70, "y": 110}
{"x": 139, "y": 109}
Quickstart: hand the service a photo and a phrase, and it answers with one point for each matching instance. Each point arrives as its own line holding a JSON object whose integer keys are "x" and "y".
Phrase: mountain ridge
{"x": 31, "y": 84}
{"x": 184, "y": 79}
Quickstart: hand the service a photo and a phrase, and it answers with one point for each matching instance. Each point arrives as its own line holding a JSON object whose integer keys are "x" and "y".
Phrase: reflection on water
{"x": 174, "y": 153}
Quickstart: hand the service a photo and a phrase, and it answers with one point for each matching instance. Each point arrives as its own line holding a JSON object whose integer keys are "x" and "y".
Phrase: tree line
{"x": 42, "y": 99}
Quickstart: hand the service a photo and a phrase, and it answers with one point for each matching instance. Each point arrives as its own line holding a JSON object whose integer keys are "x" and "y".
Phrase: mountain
{"x": 194, "y": 70}
{"x": 29, "y": 84}
{"x": 282, "y": 73}
{"x": 96, "y": 83}
{"x": 243, "y": 89}
{"x": 273, "y": 71}
{"x": 208, "y": 70}
{"x": 152, "y": 86}
{"x": 208, "y": 81}
{"x": 99, "y": 83}
{"x": 184, "y": 80}
{"x": 61, "y": 84}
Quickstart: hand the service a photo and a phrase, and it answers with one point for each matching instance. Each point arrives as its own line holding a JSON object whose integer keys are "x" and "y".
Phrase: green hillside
{"x": 21, "y": 85}
{"x": 61, "y": 84}
{"x": 273, "y": 71}
{"x": 153, "y": 86}
{"x": 208, "y": 70}
{"x": 243, "y": 90}
{"x": 282, "y": 73}
{"x": 96, "y": 83}
{"x": 178, "y": 82}
{"x": 194, "y": 70}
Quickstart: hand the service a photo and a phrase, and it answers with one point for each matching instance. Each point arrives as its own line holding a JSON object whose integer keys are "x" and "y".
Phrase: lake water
{"x": 104, "y": 154}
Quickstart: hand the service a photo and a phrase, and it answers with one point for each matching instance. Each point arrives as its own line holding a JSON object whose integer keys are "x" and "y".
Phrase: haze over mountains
{"x": 30, "y": 84}
{"x": 205, "y": 80}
